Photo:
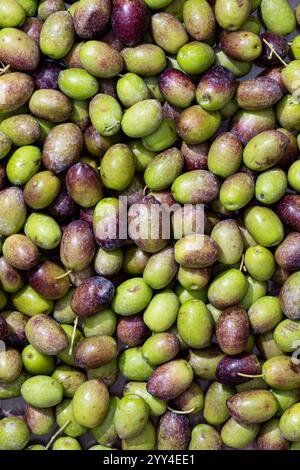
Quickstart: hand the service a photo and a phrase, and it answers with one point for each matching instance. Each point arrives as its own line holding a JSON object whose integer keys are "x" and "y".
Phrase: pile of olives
{"x": 149, "y": 340}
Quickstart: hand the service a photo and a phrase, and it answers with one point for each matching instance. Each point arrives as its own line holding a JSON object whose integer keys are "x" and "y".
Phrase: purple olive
{"x": 92, "y": 296}
{"x": 77, "y": 247}
{"x": 48, "y": 280}
{"x": 87, "y": 215}
{"x": 129, "y": 20}
{"x": 3, "y": 328}
{"x": 46, "y": 76}
{"x": 171, "y": 112}
{"x": 84, "y": 185}
{"x": 132, "y": 330}
{"x": 3, "y": 180}
{"x": 288, "y": 209}
{"x": 195, "y": 156}
{"x": 278, "y": 43}
{"x": 230, "y": 367}
{"x": 32, "y": 27}
{"x": 173, "y": 432}
{"x": 63, "y": 207}
{"x": 177, "y": 88}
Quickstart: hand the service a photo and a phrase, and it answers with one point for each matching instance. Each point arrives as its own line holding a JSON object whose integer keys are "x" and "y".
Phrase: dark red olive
{"x": 91, "y": 18}
{"x": 84, "y": 185}
{"x": 171, "y": 112}
{"x": 108, "y": 87}
{"x": 32, "y": 27}
{"x": 173, "y": 432}
{"x": 275, "y": 73}
{"x": 46, "y": 76}
{"x": 77, "y": 247}
{"x": 278, "y": 43}
{"x": 195, "y": 156}
{"x": 110, "y": 38}
{"x": 288, "y": 209}
{"x": 92, "y": 296}
{"x": 287, "y": 254}
{"x": 3, "y": 180}
{"x": 3, "y": 328}
{"x": 230, "y": 367}
{"x": 165, "y": 197}
{"x": 177, "y": 88}
{"x": 216, "y": 88}
{"x": 47, "y": 279}
{"x": 63, "y": 207}
{"x": 129, "y": 20}
{"x": 87, "y": 215}
{"x": 132, "y": 330}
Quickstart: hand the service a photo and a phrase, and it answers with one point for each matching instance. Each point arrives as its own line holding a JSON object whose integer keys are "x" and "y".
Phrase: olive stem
{"x": 274, "y": 52}
{"x": 242, "y": 262}
{"x": 73, "y": 335}
{"x": 63, "y": 275}
{"x": 144, "y": 190}
{"x": 60, "y": 430}
{"x": 4, "y": 69}
{"x": 180, "y": 412}
{"x": 259, "y": 376}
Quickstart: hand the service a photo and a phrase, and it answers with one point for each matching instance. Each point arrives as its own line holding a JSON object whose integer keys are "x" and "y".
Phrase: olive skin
{"x": 195, "y": 187}
{"x": 241, "y": 45}
{"x": 258, "y": 93}
{"x": 12, "y": 210}
{"x": 10, "y": 365}
{"x": 146, "y": 227}
{"x": 280, "y": 45}
{"x": 238, "y": 435}
{"x": 205, "y": 437}
{"x": 170, "y": 380}
{"x": 252, "y": 406}
{"x": 132, "y": 331}
{"x": 287, "y": 253}
{"x": 247, "y": 124}
{"x": 199, "y": 19}
{"x": 177, "y": 88}
{"x": 289, "y": 297}
{"x": 14, "y": 433}
{"x": 233, "y": 330}
{"x": 216, "y": 88}
{"x": 84, "y": 185}
{"x": 47, "y": 281}
{"x": 194, "y": 324}
{"x": 288, "y": 209}
{"x": 92, "y": 296}
{"x": 215, "y": 409}
{"x": 20, "y": 252}
{"x": 231, "y": 15}
{"x": 281, "y": 372}
{"x": 91, "y": 18}
{"x": 131, "y": 416}
{"x": 41, "y": 190}
{"x": 129, "y": 20}
{"x": 46, "y": 335}
{"x": 62, "y": 147}
{"x": 100, "y": 59}
{"x": 90, "y": 403}
{"x": 204, "y": 362}
{"x": 57, "y": 29}
{"x": 270, "y": 437}
{"x": 18, "y": 50}
{"x": 173, "y": 432}
{"x": 168, "y": 32}
{"x": 51, "y": 105}
{"x": 16, "y": 89}
{"x": 195, "y": 156}
{"x": 77, "y": 247}
{"x": 196, "y": 251}
{"x": 230, "y": 366}
{"x": 96, "y": 351}
{"x": 195, "y": 125}
{"x": 265, "y": 150}
{"x": 21, "y": 129}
